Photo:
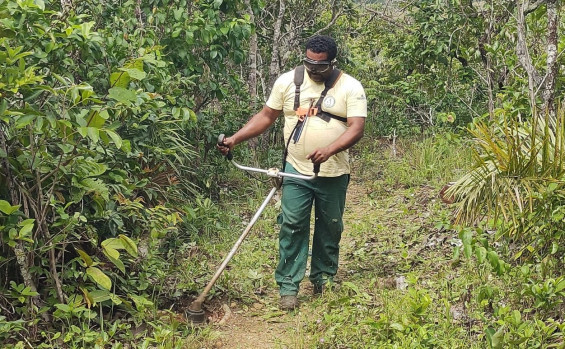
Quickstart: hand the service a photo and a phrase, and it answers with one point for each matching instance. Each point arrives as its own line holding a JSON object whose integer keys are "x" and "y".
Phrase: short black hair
{"x": 322, "y": 43}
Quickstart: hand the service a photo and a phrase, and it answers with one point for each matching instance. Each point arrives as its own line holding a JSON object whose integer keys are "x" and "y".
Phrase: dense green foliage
{"x": 110, "y": 185}
{"x": 99, "y": 149}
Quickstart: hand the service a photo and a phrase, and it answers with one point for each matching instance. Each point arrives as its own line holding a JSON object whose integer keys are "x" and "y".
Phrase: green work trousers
{"x": 328, "y": 196}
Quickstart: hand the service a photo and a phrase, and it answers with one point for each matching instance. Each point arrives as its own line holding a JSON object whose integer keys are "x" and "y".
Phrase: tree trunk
{"x": 274, "y": 68}
{"x": 551, "y": 61}
{"x": 485, "y": 39}
{"x": 138, "y": 14}
{"x": 252, "y": 79}
{"x": 524, "y": 55}
{"x": 66, "y": 6}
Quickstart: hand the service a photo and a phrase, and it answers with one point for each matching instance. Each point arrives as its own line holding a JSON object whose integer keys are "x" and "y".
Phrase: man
{"x": 312, "y": 136}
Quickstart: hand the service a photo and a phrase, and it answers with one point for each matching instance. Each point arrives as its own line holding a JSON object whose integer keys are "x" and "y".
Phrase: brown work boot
{"x": 289, "y": 302}
{"x": 319, "y": 289}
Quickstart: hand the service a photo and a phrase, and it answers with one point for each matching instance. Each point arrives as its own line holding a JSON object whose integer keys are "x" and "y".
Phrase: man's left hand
{"x": 320, "y": 155}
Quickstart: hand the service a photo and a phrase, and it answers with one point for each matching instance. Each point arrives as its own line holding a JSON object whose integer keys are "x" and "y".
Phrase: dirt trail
{"x": 263, "y": 325}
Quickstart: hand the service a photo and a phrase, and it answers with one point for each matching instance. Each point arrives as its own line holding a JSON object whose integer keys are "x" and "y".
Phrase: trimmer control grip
{"x": 316, "y": 168}
{"x": 221, "y": 138}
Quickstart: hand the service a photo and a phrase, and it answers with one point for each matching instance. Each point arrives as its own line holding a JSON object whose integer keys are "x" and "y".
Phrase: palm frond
{"x": 513, "y": 164}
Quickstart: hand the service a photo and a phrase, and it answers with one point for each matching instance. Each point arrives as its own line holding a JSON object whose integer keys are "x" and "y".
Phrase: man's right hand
{"x": 226, "y": 146}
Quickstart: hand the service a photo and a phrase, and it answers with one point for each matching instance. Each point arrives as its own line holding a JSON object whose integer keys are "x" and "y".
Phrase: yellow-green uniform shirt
{"x": 345, "y": 99}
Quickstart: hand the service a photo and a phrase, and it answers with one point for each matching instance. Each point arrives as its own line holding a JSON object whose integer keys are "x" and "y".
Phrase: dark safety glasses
{"x": 316, "y": 67}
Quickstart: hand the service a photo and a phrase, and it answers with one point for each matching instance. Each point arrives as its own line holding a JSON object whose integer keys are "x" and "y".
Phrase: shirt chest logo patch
{"x": 329, "y": 102}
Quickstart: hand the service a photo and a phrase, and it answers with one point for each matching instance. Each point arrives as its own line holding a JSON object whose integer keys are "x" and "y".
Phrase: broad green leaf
{"x": 114, "y": 243}
{"x": 89, "y": 168}
{"x": 66, "y": 148}
{"x": 85, "y": 257}
{"x": 517, "y": 317}
{"x": 140, "y": 301}
{"x": 218, "y": 3}
{"x": 497, "y": 338}
{"x": 93, "y": 134}
{"x": 3, "y": 106}
{"x": 120, "y": 79}
{"x": 560, "y": 285}
{"x": 95, "y": 120}
{"x": 99, "y": 296}
{"x": 25, "y": 230}
{"x": 7, "y": 33}
{"x": 63, "y": 307}
{"x": 96, "y": 186}
{"x": 115, "y": 138}
{"x": 397, "y": 326}
{"x": 85, "y": 28}
{"x": 193, "y": 116}
{"x": 25, "y": 120}
{"x": 122, "y": 95}
{"x": 117, "y": 262}
{"x": 40, "y": 4}
{"x": 493, "y": 259}
{"x": 28, "y": 292}
{"x": 99, "y": 277}
{"x": 8, "y": 209}
{"x": 111, "y": 252}
{"x": 129, "y": 245}
{"x": 554, "y": 248}
{"x": 126, "y": 146}
{"x": 481, "y": 254}
{"x": 116, "y": 299}
{"x": 60, "y": 79}
{"x": 135, "y": 64}
{"x": 26, "y": 222}
{"x": 83, "y": 131}
{"x": 135, "y": 73}
{"x": 466, "y": 237}
{"x": 177, "y": 13}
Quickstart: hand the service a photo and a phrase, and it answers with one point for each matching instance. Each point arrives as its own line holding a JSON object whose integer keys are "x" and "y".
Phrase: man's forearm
{"x": 348, "y": 139}
{"x": 258, "y": 124}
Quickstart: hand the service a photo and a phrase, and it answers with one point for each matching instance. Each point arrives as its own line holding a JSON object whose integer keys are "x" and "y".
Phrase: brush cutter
{"x": 195, "y": 313}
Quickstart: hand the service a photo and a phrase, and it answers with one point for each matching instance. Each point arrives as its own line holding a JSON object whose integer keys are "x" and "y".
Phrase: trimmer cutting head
{"x": 196, "y": 317}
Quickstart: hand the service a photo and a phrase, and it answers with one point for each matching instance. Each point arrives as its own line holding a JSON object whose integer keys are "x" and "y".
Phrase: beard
{"x": 316, "y": 77}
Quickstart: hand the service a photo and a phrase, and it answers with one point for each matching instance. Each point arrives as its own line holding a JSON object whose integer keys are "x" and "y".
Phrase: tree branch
{"x": 524, "y": 55}
{"x": 532, "y": 7}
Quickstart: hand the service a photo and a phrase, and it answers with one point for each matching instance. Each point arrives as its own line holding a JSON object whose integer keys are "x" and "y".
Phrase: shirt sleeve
{"x": 357, "y": 101}
{"x": 276, "y": 99}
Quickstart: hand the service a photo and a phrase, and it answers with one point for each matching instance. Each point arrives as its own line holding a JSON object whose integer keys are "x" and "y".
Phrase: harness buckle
{"x": 302, "y": 112}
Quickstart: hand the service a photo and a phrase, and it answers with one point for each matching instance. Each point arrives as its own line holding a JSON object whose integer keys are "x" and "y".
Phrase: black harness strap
{"x": 299, "y": 79}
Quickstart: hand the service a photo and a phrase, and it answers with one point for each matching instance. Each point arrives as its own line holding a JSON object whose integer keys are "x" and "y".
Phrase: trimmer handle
{"x": 221, "y": 138}
{"x": 272, "y": 172}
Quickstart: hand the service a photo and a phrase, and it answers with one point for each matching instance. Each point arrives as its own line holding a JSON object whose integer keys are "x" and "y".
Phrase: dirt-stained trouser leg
{"x": 329, "y": 203}
{"x": 297, "y": 198}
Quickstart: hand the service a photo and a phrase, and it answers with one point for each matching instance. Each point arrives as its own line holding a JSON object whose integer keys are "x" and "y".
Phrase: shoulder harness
{"x": 317, "y": 110}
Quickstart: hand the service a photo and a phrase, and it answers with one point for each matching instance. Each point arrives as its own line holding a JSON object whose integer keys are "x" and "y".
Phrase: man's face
{"x": 317, "y": 65}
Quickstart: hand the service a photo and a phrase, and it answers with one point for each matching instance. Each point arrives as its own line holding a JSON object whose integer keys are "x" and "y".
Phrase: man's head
{"x": 321, "y": 51}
